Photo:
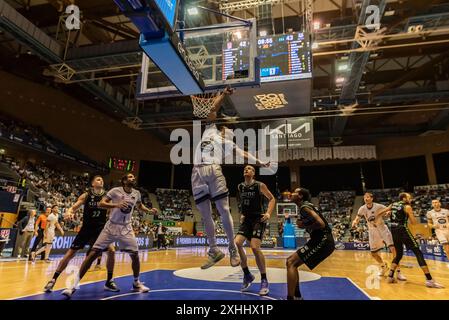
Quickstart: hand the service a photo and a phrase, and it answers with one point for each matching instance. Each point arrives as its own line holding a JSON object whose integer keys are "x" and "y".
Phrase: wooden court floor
{"x": 21, "y": 278}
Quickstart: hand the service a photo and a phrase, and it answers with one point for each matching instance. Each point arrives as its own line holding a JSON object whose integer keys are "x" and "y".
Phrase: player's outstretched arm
{"x": 142, "y": 207}
{"x": 383, "y": 212}
{"x": 107, "y": 203}
{"x": 409, "y": 211}
{"x": 429, "y": 221}
{"x": 75, "y": 207}
{"x": 355, "y": 222}
{"x": 271, "y": 203}
{"x": 217, "y": 103}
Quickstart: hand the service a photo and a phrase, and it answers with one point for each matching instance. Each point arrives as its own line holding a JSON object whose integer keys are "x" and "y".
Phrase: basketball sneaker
{"x": 49, "y": 286}
{"x": 391, "y": 280}
{"x": 247, "y": 280}
{"x": 213, "y": 258}
{"x": 139, "y": 287}
{"x": 433, "y": 284}
{"x": 264, "y": 289}
{"x": 400, "y": 276}
{"x": 111, "y": 286}
{"x": 68, "y": 292}
{"x": 234, "y": 257}
{"x": 383, "y": 270}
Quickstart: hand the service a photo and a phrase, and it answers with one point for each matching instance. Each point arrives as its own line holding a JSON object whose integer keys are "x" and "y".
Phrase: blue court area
{"x": 167, "y": 286}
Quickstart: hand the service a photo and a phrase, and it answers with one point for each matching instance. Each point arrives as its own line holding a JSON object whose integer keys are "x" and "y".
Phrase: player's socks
{"x": 391, "y": 273}
{"x": 428, "y": 276}
{"x": 263, "y": 276}
{"x": 56, "y": 275}
{"x": 110, "y": 277}
{"x": 246, "y": 271}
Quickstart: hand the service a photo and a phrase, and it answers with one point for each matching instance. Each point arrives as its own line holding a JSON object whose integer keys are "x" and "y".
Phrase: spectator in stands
{"x": 26, "y": 230}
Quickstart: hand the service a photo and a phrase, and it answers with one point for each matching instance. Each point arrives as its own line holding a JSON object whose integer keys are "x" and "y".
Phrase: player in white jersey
{"x": 209, "y": 183}
{"x": 378, "y": 232}
{"x": 438, "y": 219}
{"x": 49, "y": 234}
{"x": 122, "y": 201}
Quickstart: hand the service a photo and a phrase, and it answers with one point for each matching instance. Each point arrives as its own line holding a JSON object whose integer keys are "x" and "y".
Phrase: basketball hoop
{"x": 203, "y": 103}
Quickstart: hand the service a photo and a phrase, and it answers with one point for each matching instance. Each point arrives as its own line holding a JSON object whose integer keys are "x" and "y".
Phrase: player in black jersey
{"x": 254, "y": 219}
{"x": 94, "y": 219}
{"x": 400, "y": 213}
{"x": 317, "y": 249}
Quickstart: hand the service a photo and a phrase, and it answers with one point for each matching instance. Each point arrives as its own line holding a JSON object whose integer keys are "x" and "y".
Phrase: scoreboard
{"x": 235, "y": 59}
{"x": 285, "y": 57}
{"x": 169, "y": 9}
{"x": 122, "y": 164}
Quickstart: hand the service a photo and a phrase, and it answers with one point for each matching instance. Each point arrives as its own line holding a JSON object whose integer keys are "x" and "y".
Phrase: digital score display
{"x": 284, "y": 57}
{"x": 122, "y": 164}
{"x": 235, "y": 60}
{"x": 168, "y": 8}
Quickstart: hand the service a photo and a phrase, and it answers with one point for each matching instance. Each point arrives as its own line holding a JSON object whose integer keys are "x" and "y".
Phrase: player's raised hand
{"x": 228, "y": 90}
{"x": 265, "y": 217}
{"x": 300, "y": 223}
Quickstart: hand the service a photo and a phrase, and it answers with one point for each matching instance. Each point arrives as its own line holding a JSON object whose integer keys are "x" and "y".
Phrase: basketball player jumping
{"x": 317, "y": 249}
{"x": 254, "y": 222}
{"x": 94, "y": 220}
{"x": 400, "y": 213}
{"x": 379, "y": 234}
{"x": 49, "y": 234}
{"x": 438, "y": 219}
{"x": 209, "y": 183}
{"x": 122, "y": 201}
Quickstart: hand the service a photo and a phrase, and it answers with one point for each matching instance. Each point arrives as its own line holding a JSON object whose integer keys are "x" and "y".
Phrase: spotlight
{"x": 192, "y": 11}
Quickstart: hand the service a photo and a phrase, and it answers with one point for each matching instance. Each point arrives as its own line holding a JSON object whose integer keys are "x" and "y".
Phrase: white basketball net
{"x": 203, "y": 104}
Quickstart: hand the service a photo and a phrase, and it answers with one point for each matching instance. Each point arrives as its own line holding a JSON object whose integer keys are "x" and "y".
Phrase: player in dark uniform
{"x": 317, "y": 249}
{"x": 254, "y": 219}
{"x": 94, "y": 219}
{"x": 400, "y": 212}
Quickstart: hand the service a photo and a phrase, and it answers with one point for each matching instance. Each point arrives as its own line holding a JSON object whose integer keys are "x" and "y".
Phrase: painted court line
{"x": 167, "y": 290}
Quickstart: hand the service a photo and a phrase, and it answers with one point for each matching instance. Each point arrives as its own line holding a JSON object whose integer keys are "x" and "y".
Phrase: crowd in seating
{"x": 336, "y": 207}
{"x": 423, "y": 196}
{"x": 174, "y": 204}
{"x": 386, "y": 196}
{"x": 23, "y": 133}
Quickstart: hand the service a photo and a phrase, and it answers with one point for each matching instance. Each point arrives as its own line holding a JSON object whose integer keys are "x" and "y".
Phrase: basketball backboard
{"x": 225, "y": 54}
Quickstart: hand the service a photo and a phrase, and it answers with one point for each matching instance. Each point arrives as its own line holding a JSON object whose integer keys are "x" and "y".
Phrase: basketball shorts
{"x": 402, "y": 236}
{"x": 117, "y": 233}
{"x": 317, "y": 249}
{"x": 208, "y": 182}
{"x": 379, "y": 237}
{"x": 86, "y": 236}
{"x": 252, "y": 227}
{"x": 442, "y": 235}
{"x": 49, "y": 236}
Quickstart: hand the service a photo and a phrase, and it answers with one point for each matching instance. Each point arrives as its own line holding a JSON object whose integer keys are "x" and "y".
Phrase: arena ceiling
{"x": 399, "y": 88}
